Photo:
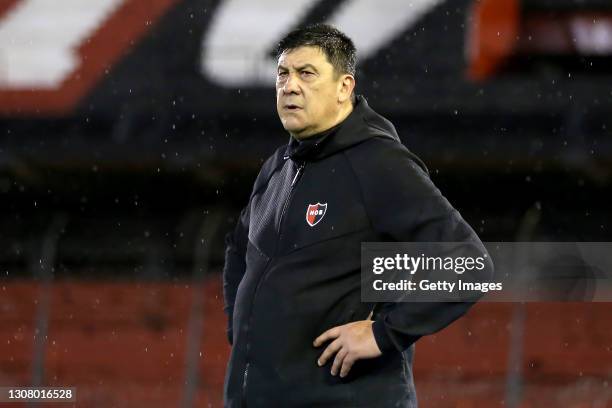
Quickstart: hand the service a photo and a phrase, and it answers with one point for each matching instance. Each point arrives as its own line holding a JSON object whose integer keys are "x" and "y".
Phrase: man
{"x": 301, "y": 335}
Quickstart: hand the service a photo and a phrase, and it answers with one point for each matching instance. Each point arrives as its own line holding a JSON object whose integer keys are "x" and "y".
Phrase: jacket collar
{"x": 360, "y": 125}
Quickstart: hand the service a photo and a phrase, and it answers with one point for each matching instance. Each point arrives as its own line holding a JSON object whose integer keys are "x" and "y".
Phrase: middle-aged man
{"x": 301, "y": 335}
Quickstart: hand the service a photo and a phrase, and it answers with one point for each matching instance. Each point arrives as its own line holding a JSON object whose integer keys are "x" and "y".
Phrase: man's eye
{"x": 307, "y": 73}
{"x": 282, "y": 74}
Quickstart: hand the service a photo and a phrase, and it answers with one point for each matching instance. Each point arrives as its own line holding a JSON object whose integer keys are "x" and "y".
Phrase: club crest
{"x": 315, "y": 213}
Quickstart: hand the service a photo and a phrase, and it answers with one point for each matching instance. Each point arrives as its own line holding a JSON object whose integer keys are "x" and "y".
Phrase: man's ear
{"x": 345, "y": 87}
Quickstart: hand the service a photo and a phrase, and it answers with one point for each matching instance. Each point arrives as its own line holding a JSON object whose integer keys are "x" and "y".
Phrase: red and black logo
{"x": 315, "y": 213}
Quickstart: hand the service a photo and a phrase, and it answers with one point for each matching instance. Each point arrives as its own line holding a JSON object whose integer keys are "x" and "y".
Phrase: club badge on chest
{"x": 315, "y": 213}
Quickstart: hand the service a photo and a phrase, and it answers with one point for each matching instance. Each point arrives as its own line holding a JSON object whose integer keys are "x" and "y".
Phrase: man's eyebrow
{"x": 308, "y": 66}
{"x": 284, "y": 68}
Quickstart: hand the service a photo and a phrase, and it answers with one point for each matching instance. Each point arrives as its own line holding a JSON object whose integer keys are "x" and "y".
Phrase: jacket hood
{"x": 362, "y": 124}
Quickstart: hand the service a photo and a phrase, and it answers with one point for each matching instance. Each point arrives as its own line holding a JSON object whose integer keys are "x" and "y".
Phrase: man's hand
{"x": 353, "y": 341}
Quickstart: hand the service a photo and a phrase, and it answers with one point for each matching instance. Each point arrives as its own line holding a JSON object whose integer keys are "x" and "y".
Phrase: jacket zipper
{"x": 296, "y": 178}
{"x": 298, "y": 173}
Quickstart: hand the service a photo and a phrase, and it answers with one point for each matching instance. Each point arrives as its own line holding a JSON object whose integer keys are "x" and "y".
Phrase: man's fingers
{"x": 329, "y": 351}
{"x": 338, "y": 361}
{"x": 327, "y": 335}
{"x": 347, "y": 363}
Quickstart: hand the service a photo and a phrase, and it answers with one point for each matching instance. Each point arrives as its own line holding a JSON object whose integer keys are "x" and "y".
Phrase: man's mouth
{"x": 292, "y": 107}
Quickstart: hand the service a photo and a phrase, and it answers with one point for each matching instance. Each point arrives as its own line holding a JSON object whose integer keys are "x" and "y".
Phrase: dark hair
{"x": 337, "y": 47}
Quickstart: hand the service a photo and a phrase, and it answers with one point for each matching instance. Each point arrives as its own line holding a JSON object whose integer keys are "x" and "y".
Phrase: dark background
{"x": 139, "y": 181}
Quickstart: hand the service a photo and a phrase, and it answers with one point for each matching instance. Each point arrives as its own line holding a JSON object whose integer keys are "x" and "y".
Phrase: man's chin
{"x": 293, "y": 128}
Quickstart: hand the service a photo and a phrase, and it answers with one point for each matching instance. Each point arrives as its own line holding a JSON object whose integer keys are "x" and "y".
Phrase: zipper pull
{"x": 297, "y": 174}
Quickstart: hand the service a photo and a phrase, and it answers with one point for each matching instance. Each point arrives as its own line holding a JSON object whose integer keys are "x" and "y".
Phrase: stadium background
{"x": 131, "y": 132}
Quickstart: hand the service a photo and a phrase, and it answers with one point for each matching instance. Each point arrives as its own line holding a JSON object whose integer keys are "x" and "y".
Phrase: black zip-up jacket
{"x": 290, "y": 275}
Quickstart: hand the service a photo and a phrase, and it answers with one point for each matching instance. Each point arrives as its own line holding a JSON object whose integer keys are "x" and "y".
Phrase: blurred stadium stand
{"x": 126, "y": 150}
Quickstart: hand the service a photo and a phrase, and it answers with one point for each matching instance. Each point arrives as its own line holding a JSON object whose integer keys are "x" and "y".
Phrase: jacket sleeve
{"x": 235, "y": 265}
{"x": 236, "y": 244}
{"x": 404, "y": 205}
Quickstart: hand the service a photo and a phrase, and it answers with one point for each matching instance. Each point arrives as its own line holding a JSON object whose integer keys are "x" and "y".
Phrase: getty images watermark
{"x": 503, "y": 271}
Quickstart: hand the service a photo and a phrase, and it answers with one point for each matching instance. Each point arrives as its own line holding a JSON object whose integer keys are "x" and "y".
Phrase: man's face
{"x": 307, "y": 91}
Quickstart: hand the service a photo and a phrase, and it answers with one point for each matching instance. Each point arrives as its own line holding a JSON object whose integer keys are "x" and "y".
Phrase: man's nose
{"x": 291, "y": 85}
